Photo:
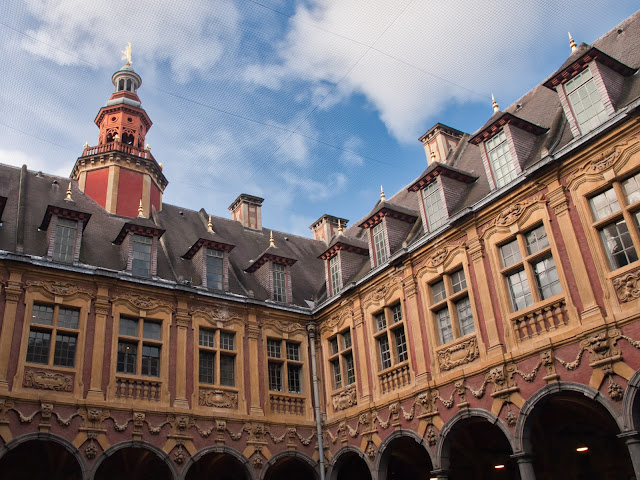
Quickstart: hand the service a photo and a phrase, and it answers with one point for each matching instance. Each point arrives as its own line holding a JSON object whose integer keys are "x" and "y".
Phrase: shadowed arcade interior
{"x": 288, "y": 468}
{"x": 39, "y": 460}
{"x": 350, "y": 466}
{"x": 404, "y": 459}
{"x": 220, "y": 466}
{"x": 133, "y": 463}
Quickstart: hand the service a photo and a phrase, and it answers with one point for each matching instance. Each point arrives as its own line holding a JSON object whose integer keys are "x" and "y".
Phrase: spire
{"x": 339, "y": 227}
{"x": 572, "y": 43}
{"x": 271, "y": 242}
{"x": 433, "y": 156}
{"x": 382, "y": 195}
{"x": 140, "y": 210}
{"x": 68, "y": 197}
{"x": 494, "y": 104}
{"x": 209, "y": 225}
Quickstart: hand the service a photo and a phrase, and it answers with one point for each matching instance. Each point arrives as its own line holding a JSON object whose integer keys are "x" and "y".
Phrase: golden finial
{"x": 382, "y": 196}
{"x": 339, "y": 227}
{"x": 116, "y": 138}
{"x": 209, "y": 225}
{"x": 494, "y": 104}
{"x": 572, "y": 43}
{"x": 148, "y": 147}
{"x": 127, "y": 54}
{"x": 86, "y": 144}
{"x": 68, "y": 197}
{"x": 140, "y": 209}
{"x": 271, "y": 242}
{"x": 433, "y": 156}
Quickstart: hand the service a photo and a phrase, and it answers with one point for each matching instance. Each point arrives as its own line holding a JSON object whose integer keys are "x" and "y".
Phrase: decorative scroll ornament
{"x": 337, "y": 319}
{"x": 628, "y": 286}
{"x": 344, "y": 399}
{"x": 442, "y": 254}
{"x": 214, "y": 315}
{"x": 143, "y": 302}
{"x": 511, "y": 214}
{"x": 286, "y": 327}
{"x": 380, "y": 292}
{"x": 458, "y": 354}
{"x": 48, "y": 381}
{"x": 217, "y": 398}
{"x": 59, "y": 288}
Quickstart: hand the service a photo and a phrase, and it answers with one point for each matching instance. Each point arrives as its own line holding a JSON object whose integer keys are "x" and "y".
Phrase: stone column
{"x": 12, "y": 293}
{"x": 253, "y": 333}
{"x": 101, "y": 307}
{"x": 439, "y": 474}
{"x": 418, "y": 344}
{"x": 632, "y": 440}
{"x": 525, "y": 465}
{"x": 183, "y": 320}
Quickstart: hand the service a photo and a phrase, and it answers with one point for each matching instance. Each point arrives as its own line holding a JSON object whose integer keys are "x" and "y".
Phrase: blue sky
{"x": 310, "y": 104}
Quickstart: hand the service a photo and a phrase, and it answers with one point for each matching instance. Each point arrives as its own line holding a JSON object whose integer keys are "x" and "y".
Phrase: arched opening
{"x": 128, "y": 84}
{"x": 40, "y": 460}
{"x": 571, "y": 436}
{"x": 290, "y": 467}
{"x": 133, "y": 463}
{"x": 404, "y": 459}
{"x": 127, "y": 138}
{"x": 121, "y": 84}
{"x": 221, "y": 466}
{"x": 350, "y": 466}
{"x": 476, "y": 448}
{"x": 110, "y": 136}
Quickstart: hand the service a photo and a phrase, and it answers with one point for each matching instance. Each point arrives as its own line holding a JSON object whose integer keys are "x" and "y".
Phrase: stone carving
{"x": 601, "y": 346}
{"x": 458, "y": 354}
{"x": 179, "y": 456}
{"x": 604, "y": 161}
{"x": 48, "y": 381}
{"x": 214, "y": 315}
{"x": 143, "y": 302}
{"x": 438, "y": 257}
{"x": 371, "y": 450}
{"x": 92, "y": 417}
{"x": 345, "y": 399}
{"x": 628, "y": 286}
{"x": 432, "y": 437}
{"x": 217, "y": 398}
{"x": 59, "y": 288}
{"x": 511, "y": 419}
{"x": 378, "y": 294}
{"x": 337, "y": 319}
{"x": 286, "y": 327}
{"x": 615, "y": 391}
{"x": 91, "y": 451}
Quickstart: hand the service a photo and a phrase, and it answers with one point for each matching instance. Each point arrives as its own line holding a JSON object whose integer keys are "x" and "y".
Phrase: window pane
{"x": 438, "y": 292}
{"x": 337, "y": 376}
{"x": 396, "y": 313}
{"x": 64, "y": 242}
{"x": 227, "y": 340}
{"x": 547, "y": 278}
{"x": 207, "y": 363}
{"x": 150, "y": 360}
{"x": 279, "y": 283}
{"x": 141, "y": 262}
{"x": 385, "y": 354}
{"x": 379, "y": 244}
{"x": 334, "y": 273}
{"x": 351, "y": 370}
{"x": 465, "y": 316}
{"x": 273, "y": 348}
{"x": 381, "y": 321}
{"x": 64, "y": 353}
{"x": 214, "y": 269}
{"x": 152, "y": 330}
{"x": 632, "y": 189}
{"x": 458, "y": 282}
{"x": 68, "y": 318}
{"x": 38, "y": 347}
{"x": 227, "y": 370}
{"x": 519, "y": 290}
{"x": 536, "y": 240}
{"x": 618, "y": 244}
{"x": 333, "y": 345}
{"x": 128, "y": 326}
{"x": 295, "y": 385}
{"x": 401, "y": 344}
{"x": 434, "y": 208}
{"x": 503, "y": 168}
{"x": 42, "y": 314}
{"x": 510, "y": 253}
{"x": 275, "y": 377}
{"x": 346, "y": 338}
{"x": 604, "y": 204}
{"x": 444, "y": 326}
{"x": 127, "y": 355}
{"x": 293, "y": 351}
{"x": 585, "y": 101}
{"x": 207, "y": 337}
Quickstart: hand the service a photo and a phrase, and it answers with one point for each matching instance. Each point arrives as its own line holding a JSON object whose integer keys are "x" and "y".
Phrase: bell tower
{"x": 120, "y": 171}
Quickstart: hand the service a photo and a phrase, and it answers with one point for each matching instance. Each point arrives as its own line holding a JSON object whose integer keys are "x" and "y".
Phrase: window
{"x": 434, "y": 208}
{"x": 141, "y": 261}
{"x": 65, "y": 240}
{"x": 334, "y": 275}
{"x": 341, "y": 360}
{"x": 390, "y": 337}
{"x": 502, "y": 166}
{"x": 616, "y": 212}
{"x": 53, "y": 326}
{"x": 278, "y": 365}
{"x": 139, "y": 346}
{"x": 585, "y": 101}
{"x": 379, "y": 244}
{"x": 279, "y": 283}
{"x": 217, "y": 357}
{"x": 451, "y": 306}
{"x": 527, "y": 261}
{"x": 215, "y": 269}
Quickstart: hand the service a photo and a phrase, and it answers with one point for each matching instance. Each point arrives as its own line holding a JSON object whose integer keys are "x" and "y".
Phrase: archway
{"x": 134, "y": 462}
{"x": 570, "y": 435}
{"x": 403, "y": 456}
{"x": 475, "y": 446}
{"x": 287, "y": 466}
{"x": 40, "y": 459}
{"x": 219, "y": 464}
{"x": 349, "y": 464}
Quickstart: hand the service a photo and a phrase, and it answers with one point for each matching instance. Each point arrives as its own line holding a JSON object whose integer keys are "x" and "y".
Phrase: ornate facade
{"x": 484, "y": 322}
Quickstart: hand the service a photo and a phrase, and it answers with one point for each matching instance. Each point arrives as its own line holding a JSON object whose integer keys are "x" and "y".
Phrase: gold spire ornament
{"x": 271, "y": 242}
{"x": 68, "y": 197}
{"x": 209, "y": 225}
{"x": 382, "y": 195}
{"x": 494, "y": 104}
{"x": 433, "y": 156}
{"x": 572, "y": 43}
{"x": 140, "y": 209}
{"x": 339, "y": 227}
{"x": 86, "y": 144}
{"x": 127, "y": 54}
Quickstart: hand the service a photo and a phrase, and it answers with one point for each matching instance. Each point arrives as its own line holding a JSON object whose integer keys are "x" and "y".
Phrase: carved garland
{"x": 511, "y": 214}
{"x": 59, "y": 288}
{"x": 143, "y": 302}
{"x": 214, "y": 315}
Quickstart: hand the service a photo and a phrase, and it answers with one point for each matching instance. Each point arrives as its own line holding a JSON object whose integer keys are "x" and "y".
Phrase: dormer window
{"x": 434, "y": 208}
{"x": 139, "y": 248}
{"x": 379, "y": 244}
{"x": 215, "y": 269}
{"x": 503, "y": 168}
{"x": 342, "y": 260}
{"x": 64, "y": 229}
{"x": 586, "y": 103}
{"x": 273, "y": 273}
{"x": 334, "y": 274}
{"x": 141, "y": 260}
{"x": 279, "y": 283}
{"x": 65, "y": 240}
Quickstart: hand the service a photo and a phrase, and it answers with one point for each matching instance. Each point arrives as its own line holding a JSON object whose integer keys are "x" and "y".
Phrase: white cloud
{"x": 34, "y": 163}
{"x": 350, "y": 156}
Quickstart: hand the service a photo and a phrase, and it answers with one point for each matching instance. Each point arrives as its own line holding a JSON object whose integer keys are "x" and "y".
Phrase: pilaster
{"x": 102, "y": 309}
{"x": 13, "y": 293}
{"x": 183, "y": 321}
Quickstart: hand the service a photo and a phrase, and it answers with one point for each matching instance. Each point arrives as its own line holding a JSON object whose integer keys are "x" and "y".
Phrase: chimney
{"x": 439, "y": 141}
{"x": 326, "y": 227}
{"x": 247, "y": 210}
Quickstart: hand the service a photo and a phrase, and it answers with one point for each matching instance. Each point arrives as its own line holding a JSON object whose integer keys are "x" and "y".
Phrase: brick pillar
{"x": 13, "y": 293}
{"x": 102, "y": 308}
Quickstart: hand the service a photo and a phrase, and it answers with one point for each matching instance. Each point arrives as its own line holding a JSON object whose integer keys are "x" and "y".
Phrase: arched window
{"x": 128, "y": 85}
{"x": 121, "y": 84}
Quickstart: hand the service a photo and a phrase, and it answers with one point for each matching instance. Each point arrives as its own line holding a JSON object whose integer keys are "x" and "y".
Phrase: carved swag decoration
{"x": 458, "y": 354}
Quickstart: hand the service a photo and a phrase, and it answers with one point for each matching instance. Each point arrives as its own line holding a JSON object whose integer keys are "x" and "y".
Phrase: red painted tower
{"x": 120, "y": 171}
